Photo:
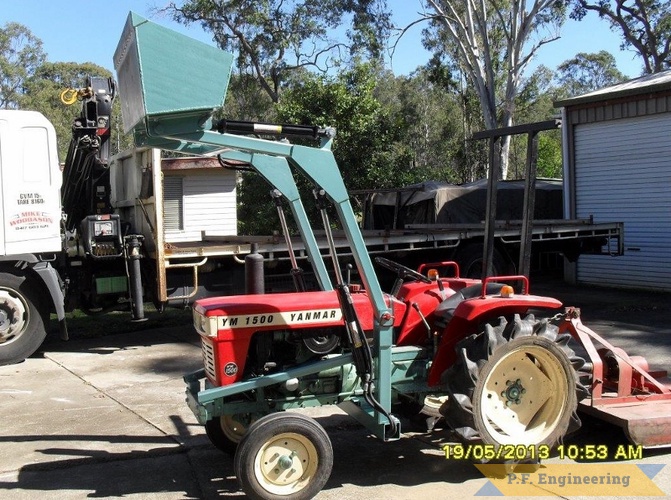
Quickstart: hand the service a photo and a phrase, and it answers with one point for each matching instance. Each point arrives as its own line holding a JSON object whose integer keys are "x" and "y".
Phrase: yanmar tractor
{"x": 495, "y": 362}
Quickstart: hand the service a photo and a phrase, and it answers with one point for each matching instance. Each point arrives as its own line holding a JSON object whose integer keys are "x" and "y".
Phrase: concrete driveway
{"x": 105, "y": 417}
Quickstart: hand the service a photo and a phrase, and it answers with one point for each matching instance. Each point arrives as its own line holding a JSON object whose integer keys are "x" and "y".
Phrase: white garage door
{"x": 623, "y": 173}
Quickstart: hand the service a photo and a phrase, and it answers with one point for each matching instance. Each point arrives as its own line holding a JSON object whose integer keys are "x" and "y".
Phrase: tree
{"x": 367, "y": 146}
{"x": 428, "y": 109}
{"x": 275, "y": 37}
{"x": 20, "y": 55}
{"x": 535, "y": 103}
{"x": 645, "y": 27}
{"x": 587, "y": 72}
{"x": 493, "y": 41}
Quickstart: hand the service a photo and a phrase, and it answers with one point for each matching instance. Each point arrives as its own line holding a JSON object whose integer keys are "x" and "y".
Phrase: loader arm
{"x": 182, "y": 121}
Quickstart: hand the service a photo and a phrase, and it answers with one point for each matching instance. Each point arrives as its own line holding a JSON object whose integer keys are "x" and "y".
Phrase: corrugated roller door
{"x": 623, "y": 173}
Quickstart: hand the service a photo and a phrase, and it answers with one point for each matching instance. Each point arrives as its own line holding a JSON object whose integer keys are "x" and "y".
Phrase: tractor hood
{"x": 286, "y": 310}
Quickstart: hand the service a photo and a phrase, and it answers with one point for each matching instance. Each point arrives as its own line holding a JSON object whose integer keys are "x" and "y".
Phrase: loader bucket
{"x": 165, "y": 75}
{"x": 645, "y": 423}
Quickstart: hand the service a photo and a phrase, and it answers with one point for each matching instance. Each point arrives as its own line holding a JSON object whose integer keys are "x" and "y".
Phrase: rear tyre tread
{"x": 473, "y": 355}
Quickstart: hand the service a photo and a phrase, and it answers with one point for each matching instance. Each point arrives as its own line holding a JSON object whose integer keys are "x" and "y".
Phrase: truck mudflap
{"x": 52, "y": 281}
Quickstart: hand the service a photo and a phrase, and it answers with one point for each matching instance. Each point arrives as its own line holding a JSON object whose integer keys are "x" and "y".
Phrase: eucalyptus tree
{"x": 20, "y": 55}
{"x": 275, "y": 37}
{"x": 493, "y": 42}
{"x": 587, "y": 72}
{"x": 645, "y": 26}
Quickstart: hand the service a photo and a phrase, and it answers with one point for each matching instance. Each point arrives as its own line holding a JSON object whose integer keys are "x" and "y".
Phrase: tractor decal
{"x": 310, "y": 316}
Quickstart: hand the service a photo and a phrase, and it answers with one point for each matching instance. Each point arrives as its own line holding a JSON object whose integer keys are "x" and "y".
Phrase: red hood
{"x": 283, "y": 309}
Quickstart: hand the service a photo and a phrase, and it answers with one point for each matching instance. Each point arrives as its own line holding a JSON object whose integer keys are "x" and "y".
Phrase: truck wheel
{"x": 514, "y": 384}
{"x": 226, "y": 431}
{"x": 22, "y": 319}
{"x": 469, "y": 259}
{"x": 284, "y": 456}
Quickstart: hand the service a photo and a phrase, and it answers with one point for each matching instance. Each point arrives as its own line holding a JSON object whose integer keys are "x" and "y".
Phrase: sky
{"x": 89, "y": 30}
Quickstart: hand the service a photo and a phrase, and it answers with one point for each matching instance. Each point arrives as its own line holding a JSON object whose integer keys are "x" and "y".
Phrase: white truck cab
{"x": 30, "y": 182}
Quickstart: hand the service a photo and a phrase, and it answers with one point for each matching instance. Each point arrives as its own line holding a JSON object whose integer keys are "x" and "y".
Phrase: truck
{"x": 506, "y": 370}
{"x": 113, "y": 232}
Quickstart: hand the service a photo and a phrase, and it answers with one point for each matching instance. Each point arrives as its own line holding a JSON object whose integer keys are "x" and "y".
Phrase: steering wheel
{"x": 402, "y": 271}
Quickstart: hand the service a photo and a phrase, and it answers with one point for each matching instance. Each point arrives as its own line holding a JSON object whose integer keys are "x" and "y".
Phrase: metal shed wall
{"x": 200, "y": 202}
{"x": 622, "y": 171}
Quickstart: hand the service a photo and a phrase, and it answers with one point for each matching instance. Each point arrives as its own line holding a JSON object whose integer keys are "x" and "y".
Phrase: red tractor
{"x": 475, "y": 353}
{"x": 468, "y": 351}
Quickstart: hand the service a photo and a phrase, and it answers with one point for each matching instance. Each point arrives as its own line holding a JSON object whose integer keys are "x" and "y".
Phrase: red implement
{"x": 623, "y": 391}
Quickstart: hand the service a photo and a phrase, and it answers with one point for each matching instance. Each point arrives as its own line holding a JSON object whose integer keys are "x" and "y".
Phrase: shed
{"x": 199, "y": 196}
{"x": 617, "y": 167}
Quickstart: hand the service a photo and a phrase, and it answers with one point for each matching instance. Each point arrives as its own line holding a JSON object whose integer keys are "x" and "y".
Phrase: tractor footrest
{"x": 645, "y": 423}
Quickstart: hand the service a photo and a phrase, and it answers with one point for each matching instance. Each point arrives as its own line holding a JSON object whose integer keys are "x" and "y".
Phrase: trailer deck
{"x": 417, "y": 237}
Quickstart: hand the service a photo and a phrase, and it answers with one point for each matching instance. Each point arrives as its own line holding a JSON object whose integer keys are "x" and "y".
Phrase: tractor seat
{"x": 446, "y": 308}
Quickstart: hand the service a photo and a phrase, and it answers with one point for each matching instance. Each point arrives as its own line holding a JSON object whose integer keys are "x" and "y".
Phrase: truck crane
{"x": 61, "y": 252}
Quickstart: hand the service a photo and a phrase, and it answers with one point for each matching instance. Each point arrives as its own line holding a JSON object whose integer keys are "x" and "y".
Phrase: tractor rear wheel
{"x": 283, "y": 456}
{"x": 514, "y": 384}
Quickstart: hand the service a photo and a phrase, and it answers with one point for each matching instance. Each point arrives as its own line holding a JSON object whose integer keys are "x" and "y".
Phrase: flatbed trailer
{"x": 458, "y": 242}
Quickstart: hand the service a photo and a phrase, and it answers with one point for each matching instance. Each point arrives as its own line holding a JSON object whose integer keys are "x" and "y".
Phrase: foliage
{"x": 20, "y": 55}
{"x": 366, "y": 147}
{"x": 549, "y": 162}
{"x": 276, "y": 37}
{"x": 245, "y": 100}
{"x": 645, "y": 26}
{"x": 588, "y": 72}
{"x": 435, "y": 124}
{"x": 492, "y": 42}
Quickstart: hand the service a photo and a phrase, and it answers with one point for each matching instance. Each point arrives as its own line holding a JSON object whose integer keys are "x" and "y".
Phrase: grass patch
{"x": 82, "y": 325}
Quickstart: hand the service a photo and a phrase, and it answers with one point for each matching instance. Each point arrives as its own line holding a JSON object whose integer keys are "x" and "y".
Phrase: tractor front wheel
{"x": 514, "y": 384}
{"x": 226, "y": 431}
{"x": 283, "y": 456}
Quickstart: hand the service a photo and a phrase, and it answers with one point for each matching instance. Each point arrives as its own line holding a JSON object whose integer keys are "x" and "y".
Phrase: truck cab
{"x": 30, "y": 179}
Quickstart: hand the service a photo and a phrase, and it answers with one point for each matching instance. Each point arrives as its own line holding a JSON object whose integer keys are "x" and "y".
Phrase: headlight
{"x": 205, "y": 325}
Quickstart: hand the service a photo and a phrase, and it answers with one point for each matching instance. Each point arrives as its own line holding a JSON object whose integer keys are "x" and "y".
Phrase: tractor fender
{"x": 472, "y": 312}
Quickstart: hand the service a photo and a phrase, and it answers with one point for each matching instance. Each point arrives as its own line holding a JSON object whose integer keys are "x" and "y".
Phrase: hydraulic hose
{"x": 363, "y": 358}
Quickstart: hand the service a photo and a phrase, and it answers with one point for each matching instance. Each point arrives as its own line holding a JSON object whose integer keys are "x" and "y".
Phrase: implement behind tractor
{"x": 502, "y": 367}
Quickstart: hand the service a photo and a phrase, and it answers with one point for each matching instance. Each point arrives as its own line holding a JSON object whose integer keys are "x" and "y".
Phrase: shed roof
{"x": 646, "y": 84}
